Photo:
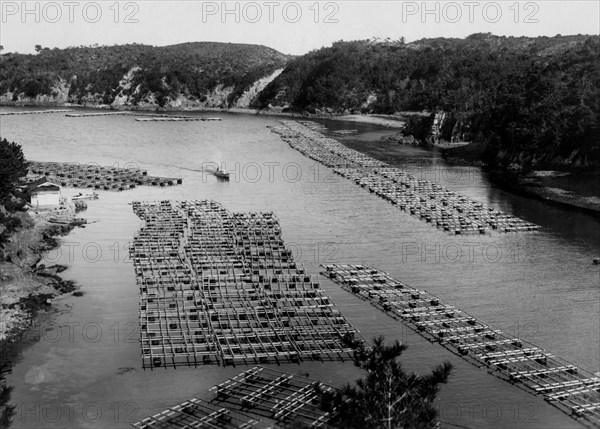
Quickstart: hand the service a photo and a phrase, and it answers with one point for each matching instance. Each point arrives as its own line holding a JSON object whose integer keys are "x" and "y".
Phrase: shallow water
{"x": 85, "y": 371}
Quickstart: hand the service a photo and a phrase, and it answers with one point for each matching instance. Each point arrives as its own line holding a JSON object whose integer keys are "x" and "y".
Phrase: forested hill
{"x": 528, "y": 101}
{"x": 200, "y": 73}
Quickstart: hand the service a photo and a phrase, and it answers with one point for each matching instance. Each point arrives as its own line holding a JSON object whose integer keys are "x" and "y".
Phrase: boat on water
{"x": 221, "y": 174}
{"x": 80, "y": 196}
{"x": 68, "y": 221}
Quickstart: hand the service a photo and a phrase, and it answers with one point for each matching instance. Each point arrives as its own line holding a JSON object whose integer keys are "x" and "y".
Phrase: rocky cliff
{"x": 139, "y": 76}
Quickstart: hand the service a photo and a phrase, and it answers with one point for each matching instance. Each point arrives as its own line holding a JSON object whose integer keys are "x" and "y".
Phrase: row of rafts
{"x": 570, "y": 388}
{"x": 426, "y": 200}
{"x": 221, "y": 287}
{"x": 98, "y": 177}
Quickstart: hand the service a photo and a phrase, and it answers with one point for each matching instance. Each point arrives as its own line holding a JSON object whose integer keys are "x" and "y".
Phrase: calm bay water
{"x": 85, "y": 370}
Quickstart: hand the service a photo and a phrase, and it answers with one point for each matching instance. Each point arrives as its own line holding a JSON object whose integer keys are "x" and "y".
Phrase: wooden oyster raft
{"x": 429, "y": 201}
{"x": 94, "y": 176}
{"x": 218, "y": 287}
{"x": 571, "y": 389}
{"x": 260, "y": 397}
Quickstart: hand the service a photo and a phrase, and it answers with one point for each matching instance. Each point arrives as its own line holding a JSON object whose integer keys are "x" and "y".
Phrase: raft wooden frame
{"x": 221, "y": 288}
{"x": 571, "y": 389}
{"x": 93, "y": 176}
{"x": 429, "y": 201}
{"x": 259, "y": 397}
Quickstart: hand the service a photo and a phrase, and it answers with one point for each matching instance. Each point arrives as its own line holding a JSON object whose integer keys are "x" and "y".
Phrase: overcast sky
{"x": 290, "y": 27}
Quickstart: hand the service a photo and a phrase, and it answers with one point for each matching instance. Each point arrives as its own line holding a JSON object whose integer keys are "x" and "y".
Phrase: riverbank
{"x": 569, "y": 189}
{"x": 573, "y": 189}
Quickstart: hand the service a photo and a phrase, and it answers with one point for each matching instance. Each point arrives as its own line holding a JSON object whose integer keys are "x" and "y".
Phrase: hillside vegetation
{"x": 530, "y": 102}
{"x": 526, "y": 103}
{"x": 136, "y": 74}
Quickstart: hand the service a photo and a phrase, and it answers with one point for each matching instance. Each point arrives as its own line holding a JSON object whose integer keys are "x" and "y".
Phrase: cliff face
{"x": 139, "y": 76}
{"x": 458, "y": 142}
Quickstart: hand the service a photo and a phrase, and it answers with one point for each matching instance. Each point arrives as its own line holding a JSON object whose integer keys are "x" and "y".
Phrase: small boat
{"x": 80, "y": 196}
{"x": 68, "y": 221}
{"x": 221, "y": 174}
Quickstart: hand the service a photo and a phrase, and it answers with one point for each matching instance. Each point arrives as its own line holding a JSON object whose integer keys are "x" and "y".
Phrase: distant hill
{"x": 525, "y": 102}
{"x": 200, "y": 73}
{"x": 530, "y": 102}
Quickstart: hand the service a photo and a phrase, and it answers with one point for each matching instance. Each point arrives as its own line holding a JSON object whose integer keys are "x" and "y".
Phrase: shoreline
{"x": 27, "y": 288}
{"x": 388, "y": 121}
{"x": 555, "y": 195}
{"x": 568, "y": 189}
{"x": 550, "y": 186}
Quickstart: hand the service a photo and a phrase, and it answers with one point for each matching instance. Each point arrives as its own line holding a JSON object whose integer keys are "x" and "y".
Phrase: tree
{"x": 38, "y": 48}
{"x": 387, "y": 397}
{"x": 7, "y": 411}
{"x": 13, "y": 167}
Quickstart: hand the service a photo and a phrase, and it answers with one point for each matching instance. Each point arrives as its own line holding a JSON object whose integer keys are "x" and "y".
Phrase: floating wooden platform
{"x": 345, "y": 132}
{"x": 142, "y": 117}
{"x": 221, "y": 288}
{"x": 97, "y": 177}
{"x": 315, "y": 126}
{"x": 196, "y": 413}
{"x": 260, "y": 397}
{"x": 323, "y": 149}
{"x": 430, "y": 202}
{"x": 87, "y": 115}
{"x": 168, "y": 119}
{"x": 173, "y": 118}
{"x": 35, "y": 112}
{"x": 571, "y": 389}
{"x": 282, "y": 397}
{"x": 433, "y": 203}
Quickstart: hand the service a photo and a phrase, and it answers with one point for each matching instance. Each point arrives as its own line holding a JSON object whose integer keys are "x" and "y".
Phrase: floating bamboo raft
{"x": 433, "y": 203}
{"x": 87, "y": 115}
{"x": 315, "y": 126}
{"x": 246, "y": 400}
{"x": 149, "y": 117}
{"x": 571, "y": 389}
{"x": 426, "y": 200}
{"x": 221, "y": 288}
{"x": 162, "y": 118}
{"x": 168, "y": 119}
{"x": 345, "y": 132}
{"x": 35, "y": 112}
{"x": 283, "y": 397}
{"x": 96, "y": 177}
{"x": 196, "y": 413}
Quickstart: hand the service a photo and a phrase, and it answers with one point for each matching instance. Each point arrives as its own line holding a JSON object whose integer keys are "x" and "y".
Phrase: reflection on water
{"x": 86, "y": 369}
